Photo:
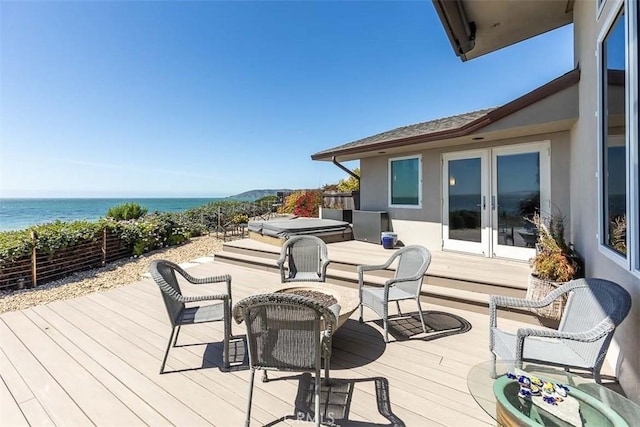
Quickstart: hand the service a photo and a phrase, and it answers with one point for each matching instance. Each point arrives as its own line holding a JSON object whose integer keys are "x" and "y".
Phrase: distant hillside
{"x": 255, "y": 194}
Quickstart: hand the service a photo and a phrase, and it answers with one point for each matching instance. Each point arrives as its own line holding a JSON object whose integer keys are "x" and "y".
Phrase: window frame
{"x": 390, "y": 186}
{"x": 633, "y": 130}
{"x": 631, "y": 261}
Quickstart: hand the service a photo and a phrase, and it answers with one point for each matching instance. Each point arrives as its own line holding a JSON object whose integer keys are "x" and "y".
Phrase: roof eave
{"x": 554, "y": 86}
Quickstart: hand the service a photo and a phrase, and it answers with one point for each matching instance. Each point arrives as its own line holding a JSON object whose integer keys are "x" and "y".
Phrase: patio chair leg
{"x": 326, "y": 370}
{"x": 596, "y": 376}
{"x": 424, "y": 328}
{"x": 251, "y": 377}
{"x": 492, "y": 369}
{"x": 175, "y": 338}
{"x": 265, "y": 378}
{"x": 398, "y": 305}
{"x": 317, "y": 397}
{"x": 227, "y": 333}
{"x": 361, "y": 312}
{"x": 227, "y": 336}
{"x": 386, "y": 330}
{"x": 166, "y": 353}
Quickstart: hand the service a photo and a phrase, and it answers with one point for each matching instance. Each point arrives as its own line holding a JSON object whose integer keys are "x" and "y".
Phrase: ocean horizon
{"x": 21, "y": 213}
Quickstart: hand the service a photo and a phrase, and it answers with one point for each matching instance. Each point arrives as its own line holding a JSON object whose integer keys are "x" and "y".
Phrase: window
{"x": 614, "y": 138}
{"x": 619, "y": 150}
{"x": 405, "y": 178}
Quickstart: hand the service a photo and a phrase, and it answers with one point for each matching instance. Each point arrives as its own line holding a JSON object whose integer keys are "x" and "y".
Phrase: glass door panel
{"x": 464, "y": 202}
{"x": 519, "y": 185}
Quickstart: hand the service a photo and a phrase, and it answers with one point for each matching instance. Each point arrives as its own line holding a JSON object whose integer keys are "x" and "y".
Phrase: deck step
{"x": 442, "y": 291}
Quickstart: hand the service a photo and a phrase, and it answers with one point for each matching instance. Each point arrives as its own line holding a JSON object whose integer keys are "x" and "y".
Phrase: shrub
{"x": 289, "y": 204}
{"x": 266, "y": 201}
{"x": 308, "y": 203}
{"x": 554, "y": 260}
{"x": 126, "y": 211}
{"x": 240, "y": 219}
{"x": 15, "y": 244}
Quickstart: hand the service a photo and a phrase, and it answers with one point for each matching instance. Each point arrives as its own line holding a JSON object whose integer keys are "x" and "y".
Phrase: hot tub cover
{"x": 297, "y": 226}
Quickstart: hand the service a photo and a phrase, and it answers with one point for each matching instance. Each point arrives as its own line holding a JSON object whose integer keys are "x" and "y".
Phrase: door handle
{"x": 493, "y": 203}
{"x": 484, "y": 203}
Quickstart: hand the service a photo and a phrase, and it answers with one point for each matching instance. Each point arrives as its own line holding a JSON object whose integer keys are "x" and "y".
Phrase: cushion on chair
{"x": 306, "y": 276}
{"x": 374, "y": 297}
{"x": 550, "y": 350}
{"x": 207, "y": 313}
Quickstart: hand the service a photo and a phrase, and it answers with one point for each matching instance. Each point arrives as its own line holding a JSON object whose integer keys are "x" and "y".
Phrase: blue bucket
{"x": 387, "y": 242}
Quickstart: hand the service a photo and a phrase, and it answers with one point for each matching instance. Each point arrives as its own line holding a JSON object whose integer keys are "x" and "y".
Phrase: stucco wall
{"x": 423, "y": 226}
{"x": 624, "y": 352}
{"x": 557, "y": 107}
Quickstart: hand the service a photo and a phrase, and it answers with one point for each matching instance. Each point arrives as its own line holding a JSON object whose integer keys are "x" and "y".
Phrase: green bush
{"x": 15, "y": 244}
{"x": 60, "y": 235}
{"x": 126, "y": 211}
{"x": 141, "y": 232}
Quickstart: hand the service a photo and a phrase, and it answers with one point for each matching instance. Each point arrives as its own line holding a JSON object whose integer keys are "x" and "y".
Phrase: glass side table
{"x": 595, "y": 405}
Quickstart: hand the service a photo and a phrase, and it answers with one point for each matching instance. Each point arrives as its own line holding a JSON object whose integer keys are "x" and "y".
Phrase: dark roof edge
{"x": 554, "y": 86}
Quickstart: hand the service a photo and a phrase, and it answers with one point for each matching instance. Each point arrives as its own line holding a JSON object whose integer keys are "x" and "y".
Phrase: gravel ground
{"x": 112, "y": 275}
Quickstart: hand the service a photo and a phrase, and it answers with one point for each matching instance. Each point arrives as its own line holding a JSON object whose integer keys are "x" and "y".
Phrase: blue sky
{"x": 211, "y": 99}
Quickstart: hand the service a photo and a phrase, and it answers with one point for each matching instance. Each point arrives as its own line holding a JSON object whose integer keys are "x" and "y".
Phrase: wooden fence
{"x": 341, "y": 200}
{"x": 41, "y": 267}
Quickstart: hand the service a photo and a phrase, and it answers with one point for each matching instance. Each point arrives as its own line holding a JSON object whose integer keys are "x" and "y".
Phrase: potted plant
{"x": 554, "y": 264}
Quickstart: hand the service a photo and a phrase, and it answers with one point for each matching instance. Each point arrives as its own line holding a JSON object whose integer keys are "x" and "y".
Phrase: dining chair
{"x": 413, "y": 262}
{"x": 164, "y": 274}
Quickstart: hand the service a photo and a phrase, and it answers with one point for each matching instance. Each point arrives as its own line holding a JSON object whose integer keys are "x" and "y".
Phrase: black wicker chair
{"x": 164, "y": 274}
{"x": 287, "y": 332}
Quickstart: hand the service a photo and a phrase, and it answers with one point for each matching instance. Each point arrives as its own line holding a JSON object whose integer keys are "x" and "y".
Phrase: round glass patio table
{"x": 597, "y": 405}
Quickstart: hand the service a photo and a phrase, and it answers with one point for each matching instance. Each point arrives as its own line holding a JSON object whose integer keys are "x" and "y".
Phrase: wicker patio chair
{"x": 164, "y": 274}
{"x": 413, "y": 262}
{"x": 303, "y": 259}
{"x": 287, "y": 332}
{"x": 594, "y": 308}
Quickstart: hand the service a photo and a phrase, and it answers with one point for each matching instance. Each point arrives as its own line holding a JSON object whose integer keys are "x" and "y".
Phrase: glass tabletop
{"x": 595, "y": 404}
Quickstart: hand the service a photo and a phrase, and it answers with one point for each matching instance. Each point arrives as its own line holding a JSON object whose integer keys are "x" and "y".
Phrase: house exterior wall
{"x": 557, "y": 107}
{"x": 424, "y": 226}
{"x": 624, "y": 352}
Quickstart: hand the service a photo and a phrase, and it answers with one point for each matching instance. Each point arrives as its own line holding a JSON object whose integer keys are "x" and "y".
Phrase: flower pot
{"x": 537, "y": 289}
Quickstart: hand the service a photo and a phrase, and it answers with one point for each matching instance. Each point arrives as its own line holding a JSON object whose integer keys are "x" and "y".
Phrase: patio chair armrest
{"x": 496, "y": 301}
{"x": 360, "y": 269}
{"x": 402, "y": 279}
{"x": 323, "y": 267}
{"x": 363, "y": 268}
{"x": 504, "y": 301}
{"x": 197, "y": 298}
{"x": 335, "y": 310}
{"x": 206, "y": 280}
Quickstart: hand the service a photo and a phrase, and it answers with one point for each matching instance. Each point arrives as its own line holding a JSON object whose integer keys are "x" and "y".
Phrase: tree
{"x": 350, "y": 183}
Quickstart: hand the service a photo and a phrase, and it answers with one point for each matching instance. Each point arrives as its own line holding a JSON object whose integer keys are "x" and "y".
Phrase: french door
{"x": 488, "y": 195}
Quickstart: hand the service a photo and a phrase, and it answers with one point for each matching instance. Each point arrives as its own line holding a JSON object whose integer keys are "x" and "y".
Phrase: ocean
{"x": 17, "y": 214}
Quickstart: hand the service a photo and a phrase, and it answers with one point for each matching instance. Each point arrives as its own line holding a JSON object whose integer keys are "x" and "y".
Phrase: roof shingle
{"x": 424, "y": 128}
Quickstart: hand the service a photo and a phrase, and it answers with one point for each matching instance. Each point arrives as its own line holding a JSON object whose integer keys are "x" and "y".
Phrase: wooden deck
{"x": 94, "y": 360}
{"x": 453, "y": 265}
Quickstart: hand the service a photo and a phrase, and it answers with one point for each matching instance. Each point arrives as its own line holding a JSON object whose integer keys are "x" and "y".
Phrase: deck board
{"x": 111, "y": 344}
{"x": 443, "y": 263}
